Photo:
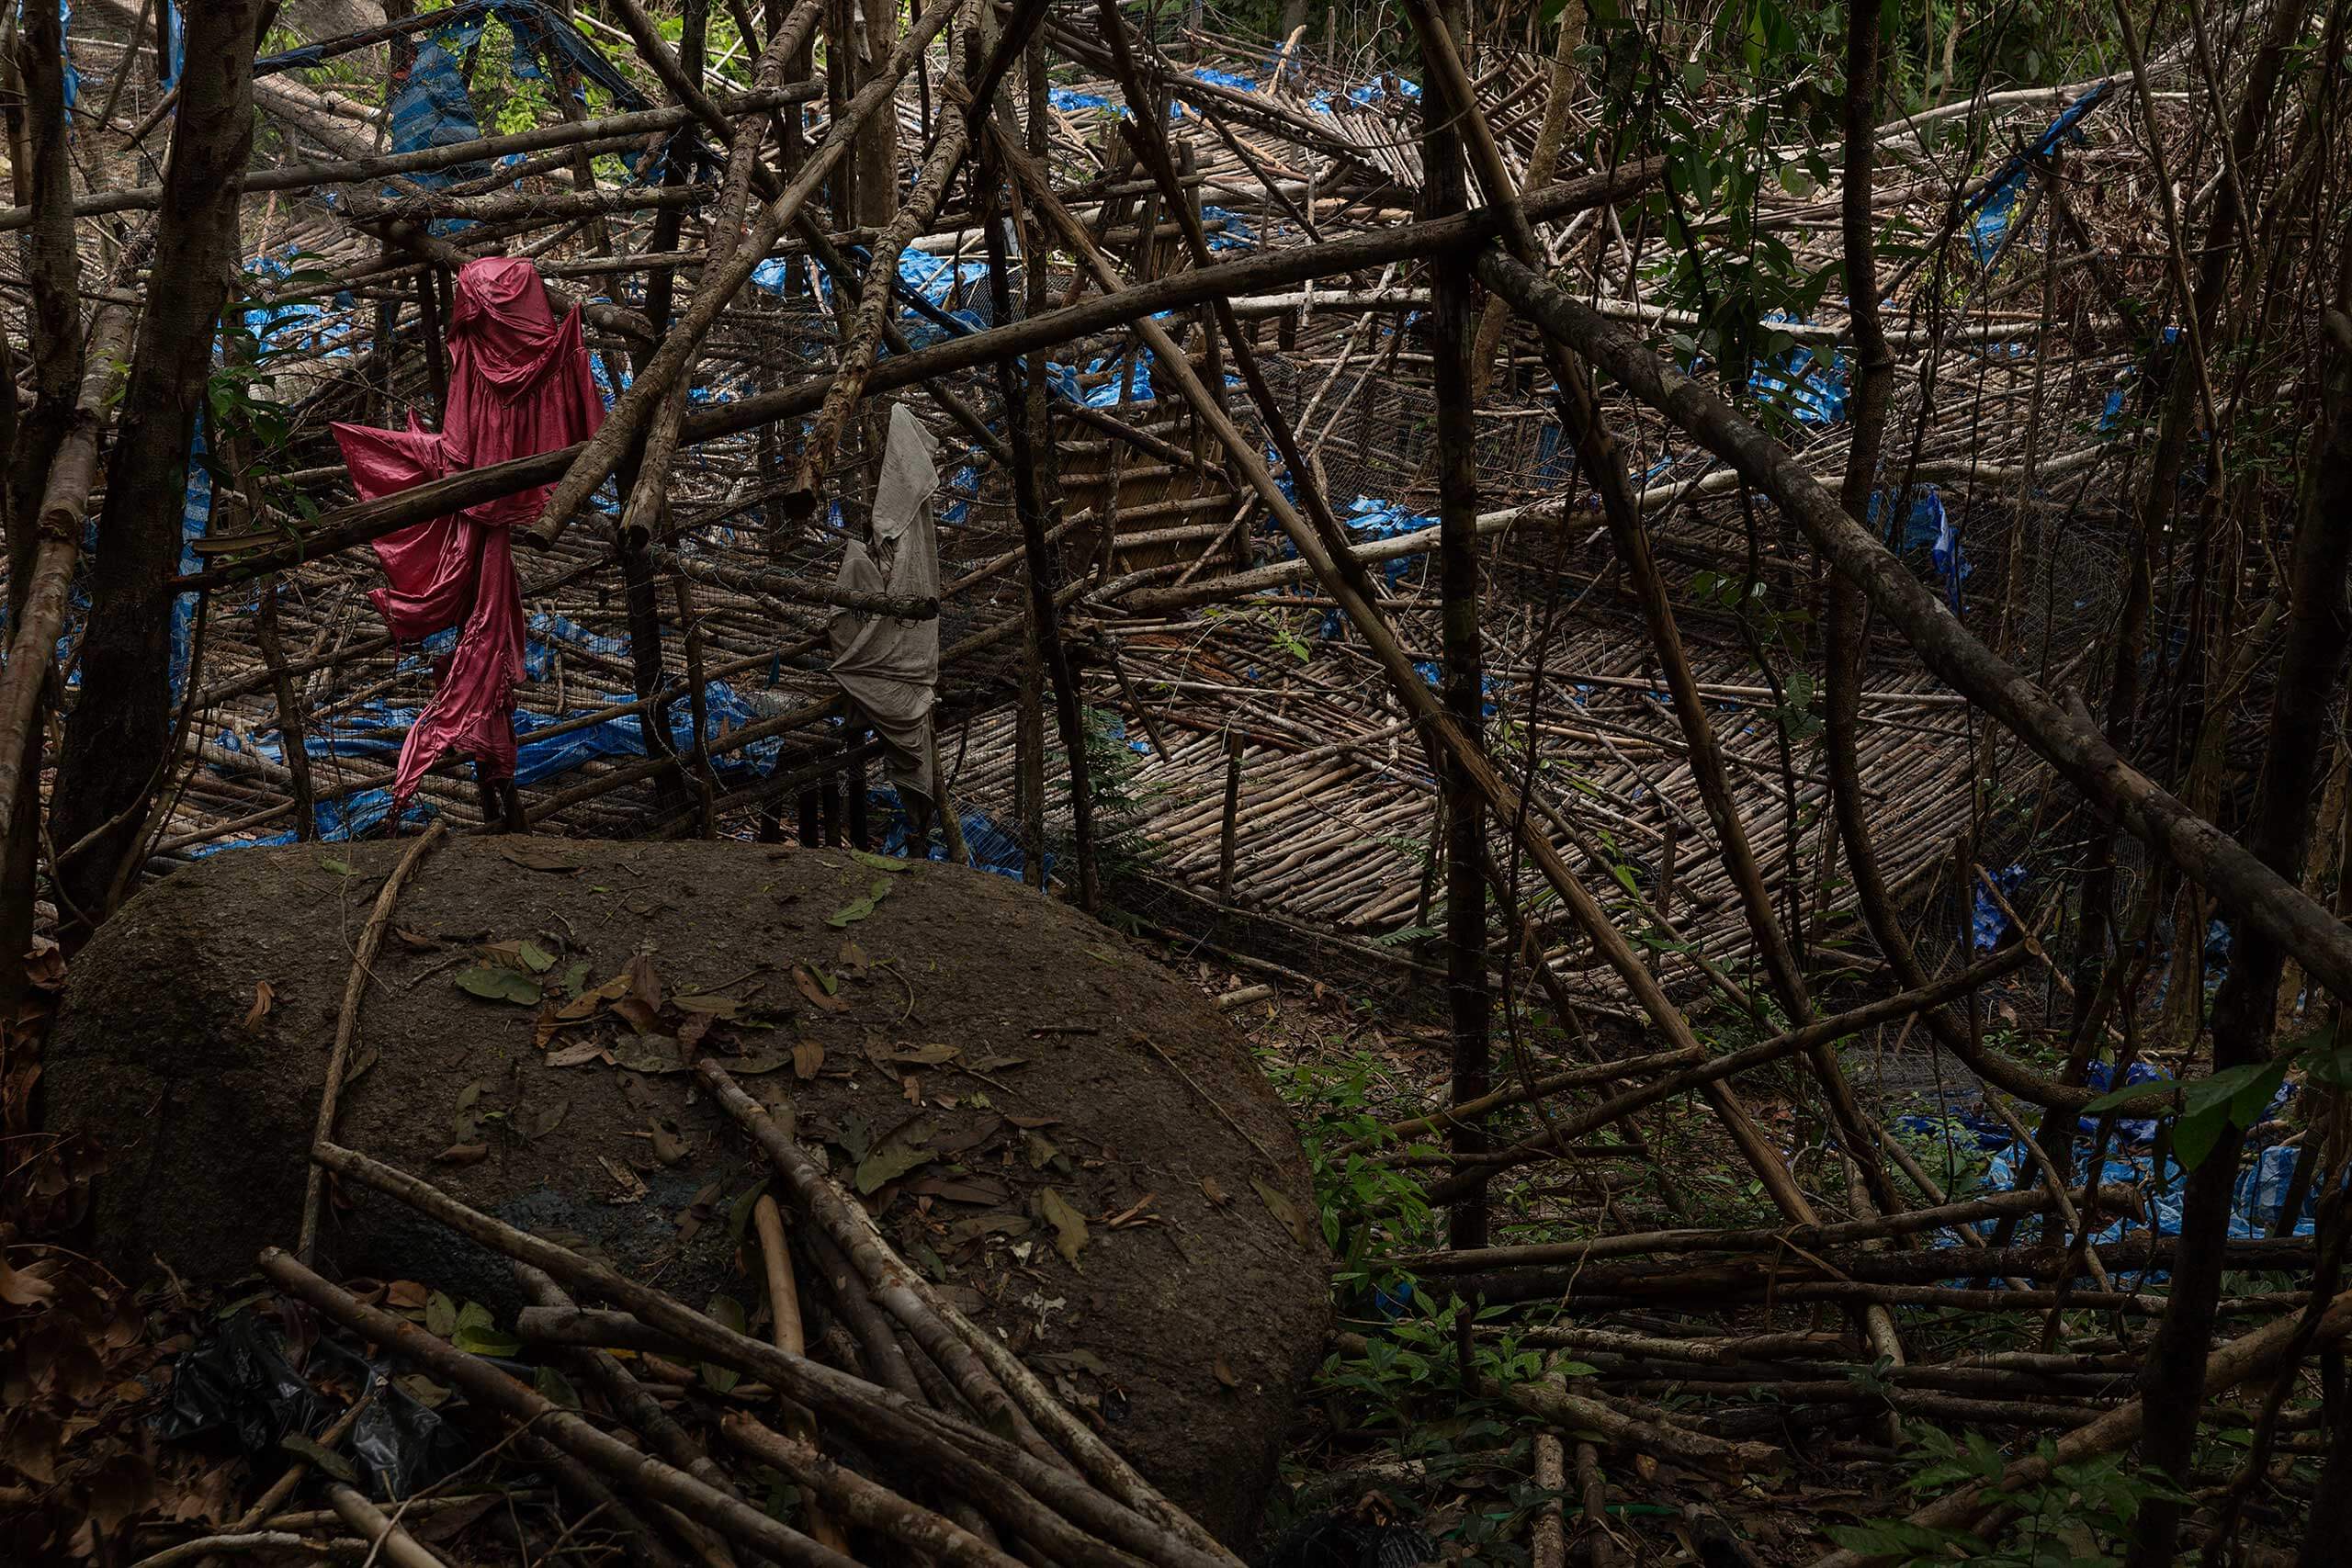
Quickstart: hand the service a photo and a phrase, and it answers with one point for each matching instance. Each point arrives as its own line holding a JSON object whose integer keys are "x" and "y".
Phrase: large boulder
{"x": 1037, "y": 1110}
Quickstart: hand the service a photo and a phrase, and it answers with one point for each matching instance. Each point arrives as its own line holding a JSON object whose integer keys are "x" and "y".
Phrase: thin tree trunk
{"x": 2156, "y": 502}
{"x": 2311, "y": 670}
{"x": 1446, "y": 191}
{"x": 1030, "y": 504}
{"x": 55, "y": 330}
{"x": 878, "y": 143}
{"x": 116, "y": 744}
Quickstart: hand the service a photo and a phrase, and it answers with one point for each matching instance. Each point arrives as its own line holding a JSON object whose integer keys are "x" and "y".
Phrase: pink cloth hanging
{"x": 519, "y": 384}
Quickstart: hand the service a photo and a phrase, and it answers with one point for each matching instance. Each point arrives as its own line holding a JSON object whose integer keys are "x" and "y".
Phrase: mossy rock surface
{"x": 997, "y": 1071}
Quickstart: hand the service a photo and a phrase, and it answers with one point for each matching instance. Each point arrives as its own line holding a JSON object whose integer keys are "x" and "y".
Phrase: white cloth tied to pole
{"x": 888, "y": 667}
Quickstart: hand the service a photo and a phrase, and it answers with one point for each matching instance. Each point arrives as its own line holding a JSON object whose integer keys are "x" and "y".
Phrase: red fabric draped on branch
{"x": 519, "y": 384}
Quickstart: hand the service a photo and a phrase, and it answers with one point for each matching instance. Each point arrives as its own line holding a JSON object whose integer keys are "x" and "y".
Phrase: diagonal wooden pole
{"x": 1345, "y": 579}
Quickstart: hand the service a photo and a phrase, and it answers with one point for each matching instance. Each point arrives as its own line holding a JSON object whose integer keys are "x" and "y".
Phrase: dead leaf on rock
{"x": 1069, "y": 1226}
{"x": 648, "y": 1054}
{"x": 20, "y": 1289}
{"x": 587, "y": 1003}
{"x": 819, "y": 993}
{"x": 807, "y": 1055}
{"x": 1225, "y": 1372}
{"x": 463, "y": 1153}
{"x": 404, "y": 1296}
{"x": 544, "y": 1120}
{"x": 645, "y": 1020}
{"x": 532, "y": 857}
{"x": 630, "y": 1188}
{"x": 978, "y": 1225}
{"x": 322, "y": 1459}
{"x": 891, "y": 1160}
{"x": 643, "y": 983}
{"x": 264, "y": 994}
{"x": 368, "y": 1057}
{"x": 959, "y": 1140}
{"x": 1294, "y": 1219}
{"x": 574, "y": 1055}
{"x": 981, "y": 1189}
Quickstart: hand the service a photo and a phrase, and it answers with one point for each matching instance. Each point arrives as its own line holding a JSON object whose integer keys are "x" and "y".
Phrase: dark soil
{"x": 983, "y": 1047}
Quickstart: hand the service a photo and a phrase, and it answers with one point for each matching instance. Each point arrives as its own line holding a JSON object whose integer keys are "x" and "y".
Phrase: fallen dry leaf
{"x": 19, "y": 1289}
{"x": 264, "y": 994}
{"x": 1301, "y": 1229}
{"x": 814, "y": 989}
{"x": 463, "y": 1153}
{"x": 1069, "y": 1228}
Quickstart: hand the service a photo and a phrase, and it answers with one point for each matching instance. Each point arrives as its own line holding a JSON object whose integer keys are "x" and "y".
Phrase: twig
{"x": 371, "y": 940}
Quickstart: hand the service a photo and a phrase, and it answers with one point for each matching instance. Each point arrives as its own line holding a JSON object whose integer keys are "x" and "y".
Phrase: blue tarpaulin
{"x": 1991, "y": 209}
{"x": 195, "y": 517}
{"x": 1986, "y": 923}
{"x": 2130, "y": 1160}
{"x": 1928, "y": 525}
{"x": 174, "y": 42}
{"x": 1813, "y": 392}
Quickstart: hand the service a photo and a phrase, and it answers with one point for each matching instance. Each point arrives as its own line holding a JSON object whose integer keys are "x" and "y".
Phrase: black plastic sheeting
{"x": 241, "y": 1383}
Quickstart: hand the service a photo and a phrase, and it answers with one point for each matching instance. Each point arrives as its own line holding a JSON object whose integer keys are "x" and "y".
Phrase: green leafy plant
{"x": 2075, "y": 1519}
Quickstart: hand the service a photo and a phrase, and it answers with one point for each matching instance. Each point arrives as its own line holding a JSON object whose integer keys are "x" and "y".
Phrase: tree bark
{"x": 116, "y": 741}
{"x": 55, "y": 330}
{"x": 1445, "y": 191}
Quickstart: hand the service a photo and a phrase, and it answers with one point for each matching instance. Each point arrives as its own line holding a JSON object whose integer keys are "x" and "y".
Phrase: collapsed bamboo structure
{"x": 1493, "y": 662}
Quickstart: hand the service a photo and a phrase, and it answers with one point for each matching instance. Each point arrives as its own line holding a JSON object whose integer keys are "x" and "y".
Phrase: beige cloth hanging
{"x": 888, "y": 667}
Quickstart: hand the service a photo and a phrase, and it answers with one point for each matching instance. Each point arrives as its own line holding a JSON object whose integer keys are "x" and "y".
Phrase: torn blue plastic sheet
{"x": 1990, "y": 211}
{"x": 1987, "y": 924}
{"x": 992, "y": 848}
{"x": 70, "y": 79}
{"x": 2257, "y": 1197}
{"x": 377, "y": 730}
{"x": 1071, "y": 102}
{"x": 1224, "y": 79}
{"x": 339, "y": 818}
{"x": 196, "y": 519}
{"x": 173, "y": 33}
{"x": 1386, "y": 520}
{"x": 1432, "y": 675}
{"x": 1237, "y": 234}
{"x": 1379, "y": 87}
{"x": 1133, "y": 376}
{"x": 937, "y": 282}
{"x": 269, "y": 323}
{"x": 433, "y": 109}
{"x": 1813, "y": 392}
{"x": 1930, "y": 526}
